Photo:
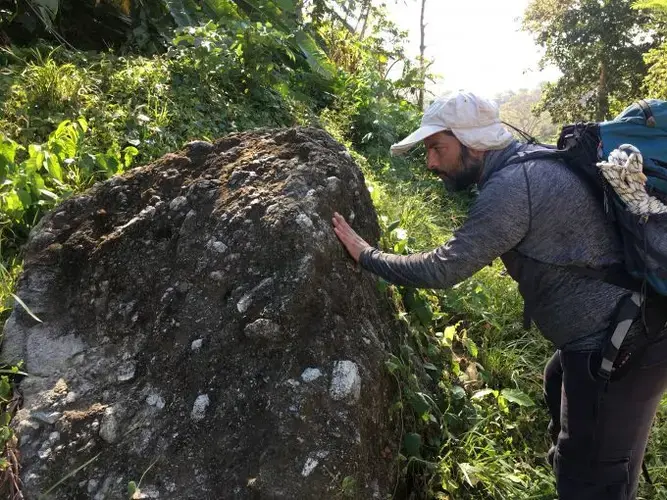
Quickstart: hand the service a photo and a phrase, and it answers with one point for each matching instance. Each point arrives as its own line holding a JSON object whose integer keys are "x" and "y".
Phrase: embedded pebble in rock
{"x": 196, "y": 344}
{"x": 304, "y": 221}
{"x": 310, "y": 374}
{"x": 345, "y": 381}
{"x": 155, "y": 400}
{"x": 262, "y": 329}
{"x": 92, "y": 486}
{"x": 247, "y": 299}
{"x": 219, "y": 247}
{"x": 199, "y": 408}
{"x": 44, "y": 452}
{"x": 126, "y": 372}
{"x": 216, "y": 276}
{"x": 243, "y": 304}
{"x": 47, "y": 418}
{"x": 178, "y": 203}
{"x": 109, "y": 426}
{"x": 309, "y": 467}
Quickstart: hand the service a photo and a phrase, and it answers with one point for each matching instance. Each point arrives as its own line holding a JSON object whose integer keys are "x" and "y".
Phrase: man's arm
{"x": 497, "y": 222}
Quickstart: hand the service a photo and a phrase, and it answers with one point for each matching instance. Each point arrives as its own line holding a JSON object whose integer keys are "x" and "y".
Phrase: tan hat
{"x": 474, "y": 121}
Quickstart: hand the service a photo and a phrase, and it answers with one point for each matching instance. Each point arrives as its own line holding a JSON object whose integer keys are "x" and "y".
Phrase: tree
{"x": 516, "y": 108}
{"x": 598, "y": 45}
{"x": 655, "y": 83}
{"x": 422, "y": 48}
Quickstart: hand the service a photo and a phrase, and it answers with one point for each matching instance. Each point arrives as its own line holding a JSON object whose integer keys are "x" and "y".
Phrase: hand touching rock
{"x": 353, "y": 243}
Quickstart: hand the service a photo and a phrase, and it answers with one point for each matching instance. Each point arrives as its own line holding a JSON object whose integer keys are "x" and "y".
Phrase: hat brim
{"x": 400, "y": 148}
{"x": 494, "y": 136}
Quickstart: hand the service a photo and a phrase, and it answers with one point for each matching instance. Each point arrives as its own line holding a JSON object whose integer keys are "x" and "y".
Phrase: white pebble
{"x": 345, "y": 381}
{"x": 199, "y": 408}
{"x": 309, "y": 467}
{"x": 196, "y": 344}
{"x": 310, "y": 374}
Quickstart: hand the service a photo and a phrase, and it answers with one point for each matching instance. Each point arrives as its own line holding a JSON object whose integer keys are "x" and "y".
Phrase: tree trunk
{"x": 422, "y": 63}
{"x": 602, "y": 108}
{"x": 366, "y": 10}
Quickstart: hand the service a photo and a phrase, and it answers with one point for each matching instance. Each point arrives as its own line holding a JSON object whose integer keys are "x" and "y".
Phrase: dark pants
{"x": 600, "y": 430}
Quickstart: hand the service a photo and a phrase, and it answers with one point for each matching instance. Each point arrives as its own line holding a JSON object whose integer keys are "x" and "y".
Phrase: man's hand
{"x": 351, "y": 240}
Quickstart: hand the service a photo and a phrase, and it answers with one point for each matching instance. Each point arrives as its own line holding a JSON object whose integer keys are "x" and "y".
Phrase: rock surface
{"x": 203, "y": 327}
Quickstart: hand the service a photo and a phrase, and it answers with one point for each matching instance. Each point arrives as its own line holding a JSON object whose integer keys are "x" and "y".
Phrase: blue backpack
{"x": 581, "y": 147}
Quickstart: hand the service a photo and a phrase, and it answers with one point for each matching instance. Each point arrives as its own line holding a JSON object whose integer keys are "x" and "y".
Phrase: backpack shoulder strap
{"x": 565, "y": 156}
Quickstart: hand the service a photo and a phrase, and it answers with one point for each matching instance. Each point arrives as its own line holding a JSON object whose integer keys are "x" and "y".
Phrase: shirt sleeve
{"x": 497, "y": 222}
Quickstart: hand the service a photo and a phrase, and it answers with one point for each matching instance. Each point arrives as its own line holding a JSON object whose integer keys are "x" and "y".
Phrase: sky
{"x": 477, "y": 45}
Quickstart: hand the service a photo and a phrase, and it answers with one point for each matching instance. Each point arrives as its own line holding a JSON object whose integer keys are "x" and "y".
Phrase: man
{"x": 539, "y": 217}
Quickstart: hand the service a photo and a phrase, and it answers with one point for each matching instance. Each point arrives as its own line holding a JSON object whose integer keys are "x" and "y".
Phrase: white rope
{"x": 625, "y": 174}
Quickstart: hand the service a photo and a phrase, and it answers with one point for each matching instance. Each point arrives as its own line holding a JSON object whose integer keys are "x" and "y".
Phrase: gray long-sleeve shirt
{"x": 545, "y": 212}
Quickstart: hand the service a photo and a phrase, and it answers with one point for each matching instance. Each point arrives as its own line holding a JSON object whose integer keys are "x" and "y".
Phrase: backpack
{"x": 598, "y": 153}
{"x": 640, "y": 127}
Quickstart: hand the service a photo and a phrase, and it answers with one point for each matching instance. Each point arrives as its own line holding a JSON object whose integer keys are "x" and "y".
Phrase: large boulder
{"x": 203, "y": 331}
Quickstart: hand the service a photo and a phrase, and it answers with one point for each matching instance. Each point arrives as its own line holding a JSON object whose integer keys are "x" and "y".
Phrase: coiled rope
{"x": 624, "y": 171}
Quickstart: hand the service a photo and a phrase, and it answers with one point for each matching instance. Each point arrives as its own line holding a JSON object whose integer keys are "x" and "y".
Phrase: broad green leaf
{"x": 449, "y": 334}
{"x": 37, "y": 182}
{"x": 286, "y": 5}
{"x": 61, "y": 130}
{"x": 179, "y": 12}
{"x": 417, "y": 304}
{"x": 419, "y": 403}
{"x": 5, "y": 388}
{"x": 132, "y": 488}
{"x": 458, "y": 392}
{"x": 517, "y": 396}
{"x": 11, "y": 202}
{"x": 24, "y": 196}
{"x": 83, "y": 123}
{"x": 48, "y": 10}
{"x": 53, "y": 166}
{"x": 317, "y": 59}
{"x": 393, "y": 364}
{"x": 471, "y": 347}
{"x": 35, "y": 159}
{"x": 128, "y": 155}
{"x": 8, "y": 150}
{"x": 412, "y": 442}
{"x": 393, "y": 225}
{"x": 349, "y": 486}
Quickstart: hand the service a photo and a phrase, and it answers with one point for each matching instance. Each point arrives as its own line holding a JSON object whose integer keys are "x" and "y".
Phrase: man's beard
{"x": 466, "y": 175}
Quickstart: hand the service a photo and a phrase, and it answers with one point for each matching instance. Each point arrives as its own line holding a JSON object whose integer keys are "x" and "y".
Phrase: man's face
{"x": 456, "y": 165}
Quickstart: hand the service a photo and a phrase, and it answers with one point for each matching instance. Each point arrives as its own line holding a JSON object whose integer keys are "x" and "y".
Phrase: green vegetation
{"x": 468, "y": 375}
